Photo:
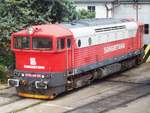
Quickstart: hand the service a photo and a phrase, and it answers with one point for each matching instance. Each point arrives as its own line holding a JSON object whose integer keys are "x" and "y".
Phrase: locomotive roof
{"x": 88, "y": 27}
{"x": 95, "y": 22}
{"x": 73, "y": 28}
{"x": 47, "y": 29}
{"x": 99, "y": 1}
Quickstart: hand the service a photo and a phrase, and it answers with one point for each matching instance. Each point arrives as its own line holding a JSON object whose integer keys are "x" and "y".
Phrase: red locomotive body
{"x": 54, "y": 58}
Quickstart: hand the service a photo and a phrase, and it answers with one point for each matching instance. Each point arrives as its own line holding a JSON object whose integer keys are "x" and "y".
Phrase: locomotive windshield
{"x": 37, "y": 43}
{"x": 41, "y": 43}
{"x": 21, "y": 42}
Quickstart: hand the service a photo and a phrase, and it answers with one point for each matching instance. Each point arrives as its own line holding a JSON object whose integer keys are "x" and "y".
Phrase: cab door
{"x": 69, "y": 59}
{"x": 140, "y": 36}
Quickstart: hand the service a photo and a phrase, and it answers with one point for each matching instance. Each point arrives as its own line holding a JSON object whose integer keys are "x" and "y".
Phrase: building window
{"x": 146, "y": 28}
{"x": 91, "y": 8}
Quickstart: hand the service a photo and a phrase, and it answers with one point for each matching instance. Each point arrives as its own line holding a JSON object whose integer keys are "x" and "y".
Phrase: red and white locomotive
{"x": 54, "y": 58}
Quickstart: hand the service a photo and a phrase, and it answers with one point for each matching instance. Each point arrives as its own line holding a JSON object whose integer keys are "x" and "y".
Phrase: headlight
{"x": 22, "y": 75}
{"x": 42, "y": 76}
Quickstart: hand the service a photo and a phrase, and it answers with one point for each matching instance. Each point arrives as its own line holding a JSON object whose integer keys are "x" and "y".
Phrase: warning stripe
{"x": 146, "y": 57}
{"x": 146, "y": 49}
{"x": 148, "y": 60}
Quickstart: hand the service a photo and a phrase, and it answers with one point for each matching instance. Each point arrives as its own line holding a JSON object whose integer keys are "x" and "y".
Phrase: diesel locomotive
{"x": 56, "y": 58}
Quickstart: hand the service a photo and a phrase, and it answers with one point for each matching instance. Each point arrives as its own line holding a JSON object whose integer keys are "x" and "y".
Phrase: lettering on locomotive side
{"x": 33, "y": 64}
{"x": 34, "y": 67}
{"x": 114, "y": 48}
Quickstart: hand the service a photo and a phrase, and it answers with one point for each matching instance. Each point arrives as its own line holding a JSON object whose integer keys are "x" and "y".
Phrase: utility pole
{"x": 110, "y": 6}
{"x": 137, "y": 9}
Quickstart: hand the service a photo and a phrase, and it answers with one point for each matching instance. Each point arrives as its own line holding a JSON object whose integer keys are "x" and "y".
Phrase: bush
{"x": 6, "y": 61}
{"x": 84, "y": 14}
{"x": 3, "y": 73}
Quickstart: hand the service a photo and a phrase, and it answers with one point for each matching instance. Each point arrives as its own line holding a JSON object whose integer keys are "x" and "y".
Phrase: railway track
{"x": 136, "y": 91}
{"x": 10, "y": 102}
{"x": 139, "y": 81}
{"x": 14, "y": 103}
{"x": 99, "y": 100}
{"x": 75, "y": 105}
{"x": 7, "y": 96}
{"x": 101, "y": 96}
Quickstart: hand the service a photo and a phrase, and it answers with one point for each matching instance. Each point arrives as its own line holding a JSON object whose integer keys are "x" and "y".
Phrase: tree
{"x": 17, "y": 14}
{"x": 84, "y": 14}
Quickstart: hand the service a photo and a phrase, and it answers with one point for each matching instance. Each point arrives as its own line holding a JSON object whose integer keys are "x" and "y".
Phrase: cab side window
{"x": 68, "y": 43}
{"x": 60, "y": 43}
{"x": 146, "y": 28}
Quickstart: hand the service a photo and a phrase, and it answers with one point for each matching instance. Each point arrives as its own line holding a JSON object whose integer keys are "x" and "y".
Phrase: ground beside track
{"x": 127, "y": 92}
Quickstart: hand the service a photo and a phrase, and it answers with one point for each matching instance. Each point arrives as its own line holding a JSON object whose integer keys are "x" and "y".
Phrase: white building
{"x": 97, "y": 6}
{"x": 136, "y": 9}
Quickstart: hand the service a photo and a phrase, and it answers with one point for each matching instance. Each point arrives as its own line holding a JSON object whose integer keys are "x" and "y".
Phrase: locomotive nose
{"x": 38, "y": 84}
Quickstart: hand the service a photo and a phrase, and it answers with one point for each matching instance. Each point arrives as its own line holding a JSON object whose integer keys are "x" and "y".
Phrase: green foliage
{"x": 3, "y": 73}
{"x": 84, "y": 14}
{"x": 6, "y": 61}
{"x": 17, "y": 14}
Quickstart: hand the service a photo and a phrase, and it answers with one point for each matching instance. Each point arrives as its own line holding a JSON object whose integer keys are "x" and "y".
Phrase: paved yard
{"x": 127, "y": 92}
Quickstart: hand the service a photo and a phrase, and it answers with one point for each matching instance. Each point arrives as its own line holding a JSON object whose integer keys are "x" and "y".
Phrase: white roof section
{"x": 93, "y": 1}
{"x": 88, "y": 31}
{"x": 84, "y": 28}
{"x": 114, "y": 1}
{"x": 99, "y": 31}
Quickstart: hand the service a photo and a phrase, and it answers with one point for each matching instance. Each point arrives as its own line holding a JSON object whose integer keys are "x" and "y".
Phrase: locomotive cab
{"x": 42, "y": 61}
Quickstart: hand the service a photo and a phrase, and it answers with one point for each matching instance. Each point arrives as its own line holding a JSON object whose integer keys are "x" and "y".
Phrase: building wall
{"x": 129, "y": 11}
{"x": 100, "y": 9}
{"x": 122, "y": 11}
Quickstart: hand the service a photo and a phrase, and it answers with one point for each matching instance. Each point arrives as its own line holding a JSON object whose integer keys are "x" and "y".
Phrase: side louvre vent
{"x": 109, "y": 28}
